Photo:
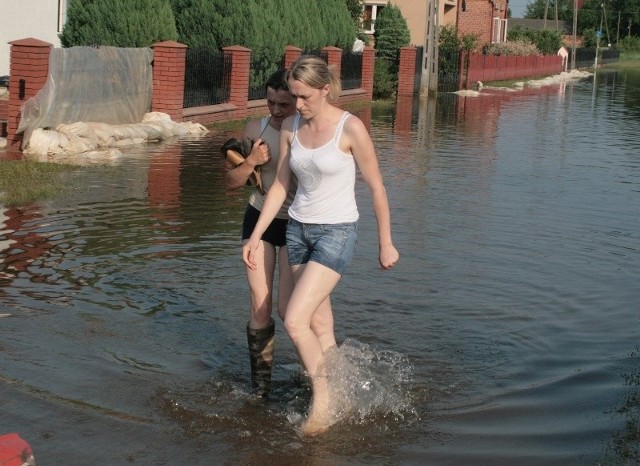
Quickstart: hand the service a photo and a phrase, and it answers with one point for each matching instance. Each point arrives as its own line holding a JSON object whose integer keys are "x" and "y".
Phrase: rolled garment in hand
{"x": 236, "y": 151}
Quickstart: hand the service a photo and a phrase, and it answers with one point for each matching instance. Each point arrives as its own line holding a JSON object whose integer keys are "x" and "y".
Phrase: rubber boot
{"x": 261, "y": 345}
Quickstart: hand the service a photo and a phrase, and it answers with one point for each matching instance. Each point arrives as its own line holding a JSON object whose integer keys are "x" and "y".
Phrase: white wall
{"x": 21, "y": 19}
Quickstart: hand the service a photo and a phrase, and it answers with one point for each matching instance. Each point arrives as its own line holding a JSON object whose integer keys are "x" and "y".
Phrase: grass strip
{"x": 22, "y": 181}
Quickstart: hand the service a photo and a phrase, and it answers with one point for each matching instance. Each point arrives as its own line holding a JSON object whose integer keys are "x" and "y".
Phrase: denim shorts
{"x": 275, "y": 232}
{"x": 331, "y": 245}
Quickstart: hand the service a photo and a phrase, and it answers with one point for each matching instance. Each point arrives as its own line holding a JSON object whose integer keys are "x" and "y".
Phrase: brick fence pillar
{"x": 368, "y": 66}
{"x": 169, "y": 59}
{"x": 29, "y": 69}
{"x": 291, "y": 54}
{"x": 334, "y": 58}
{"x": 406, "y": 71}
{"x": 239, "y": 78}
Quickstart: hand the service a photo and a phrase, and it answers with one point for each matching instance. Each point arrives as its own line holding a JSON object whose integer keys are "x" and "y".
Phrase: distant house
{"x": 485, "y": 18}
{"x": 40, "y": 19}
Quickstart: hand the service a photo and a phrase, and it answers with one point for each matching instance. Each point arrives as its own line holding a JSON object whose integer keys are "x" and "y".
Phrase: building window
{"x": 499, "y": 30}
{"x": 369, "y": 17}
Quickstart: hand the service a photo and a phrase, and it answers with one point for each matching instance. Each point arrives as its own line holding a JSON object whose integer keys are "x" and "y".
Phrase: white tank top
{"x": 326, "y": 181}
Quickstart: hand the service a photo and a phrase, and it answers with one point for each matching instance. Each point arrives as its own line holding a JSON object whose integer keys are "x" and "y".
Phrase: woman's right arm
{"x": 275, "y": 197}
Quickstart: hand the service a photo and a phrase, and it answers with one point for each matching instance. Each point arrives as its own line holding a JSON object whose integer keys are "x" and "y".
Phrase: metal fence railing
{"x": 586, "y": 57}
{"x": 448, "y": 71}
{"x": 206, "y": 78}
{"x": 351, "y": 70}
{"x": 207, "y": 75}
{"x": 417, "y": 79}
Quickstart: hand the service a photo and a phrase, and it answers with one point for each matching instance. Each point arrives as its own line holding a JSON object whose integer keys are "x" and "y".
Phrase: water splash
{"x": 365, "y": 382}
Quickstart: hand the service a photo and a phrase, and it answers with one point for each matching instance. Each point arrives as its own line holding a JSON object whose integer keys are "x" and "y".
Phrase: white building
{"x": 21, "y": 19}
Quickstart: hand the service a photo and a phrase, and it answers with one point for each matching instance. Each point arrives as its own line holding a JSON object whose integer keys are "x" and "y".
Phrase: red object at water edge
{"x": 14, "y": 451}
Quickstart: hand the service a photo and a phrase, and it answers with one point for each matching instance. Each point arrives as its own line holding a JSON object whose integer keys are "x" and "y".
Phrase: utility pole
{"x": 575, "y": 33}
{"x": 429, "y": 78}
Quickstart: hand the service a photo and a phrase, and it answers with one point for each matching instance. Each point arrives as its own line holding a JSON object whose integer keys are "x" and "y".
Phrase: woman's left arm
{"x": 359, "y": 143}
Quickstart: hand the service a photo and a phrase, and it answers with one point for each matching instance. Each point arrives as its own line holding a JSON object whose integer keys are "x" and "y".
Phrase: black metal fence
{"x": 351, "y": 69}
{"x": 448, "y": 71}
{"x": 207, "y": 75}
{"x": 586, "y": 57}
{"x": 417, "y": 79}
{"x": 206, "y": 78}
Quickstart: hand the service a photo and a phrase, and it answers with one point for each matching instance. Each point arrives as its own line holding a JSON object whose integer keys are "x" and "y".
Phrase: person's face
{"x": 280, "y": 104}
{"x": 309, "y": 100}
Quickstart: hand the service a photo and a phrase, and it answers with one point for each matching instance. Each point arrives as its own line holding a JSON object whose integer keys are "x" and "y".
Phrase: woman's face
{"x": 280, "y": 104}
{"x": 309, "y": 100}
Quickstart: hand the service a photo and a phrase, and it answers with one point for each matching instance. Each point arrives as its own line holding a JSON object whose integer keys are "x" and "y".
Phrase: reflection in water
{"x": 499, "y": 339}
{"x": 18, "y": 245}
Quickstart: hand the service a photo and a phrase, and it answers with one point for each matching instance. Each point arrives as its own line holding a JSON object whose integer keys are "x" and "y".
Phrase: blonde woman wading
{"x": 320, "y": 147}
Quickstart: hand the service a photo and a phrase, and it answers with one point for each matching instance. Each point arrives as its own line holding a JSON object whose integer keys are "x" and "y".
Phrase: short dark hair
{"x": 277, "y": 81}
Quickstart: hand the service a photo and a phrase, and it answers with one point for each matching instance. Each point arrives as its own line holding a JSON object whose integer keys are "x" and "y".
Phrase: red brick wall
{"x": 406, "y": 71}
{"x": 476, "y": 18}
{"x": 501, "y": 68}
{"x": 29, "y": 68}
{"x": 169, "y": 59}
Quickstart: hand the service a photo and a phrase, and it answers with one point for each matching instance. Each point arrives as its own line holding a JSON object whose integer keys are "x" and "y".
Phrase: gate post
{"x": 291, "y": 54}
{"x": 29, "y": 69}
{"x": 334, "y": 58}
{"x": 169, "y": 59}
{"x": 368, "y": 66}
{"x": 406, "y": 71}
{"x": 239, "y": 79}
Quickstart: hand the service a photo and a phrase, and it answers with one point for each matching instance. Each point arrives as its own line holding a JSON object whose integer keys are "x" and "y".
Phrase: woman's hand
{"x": 248, "y": 252}
{"x": 389, "y": 256}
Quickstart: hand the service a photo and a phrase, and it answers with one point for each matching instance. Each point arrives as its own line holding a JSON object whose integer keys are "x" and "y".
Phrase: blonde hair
{"x": 315, "y": 73}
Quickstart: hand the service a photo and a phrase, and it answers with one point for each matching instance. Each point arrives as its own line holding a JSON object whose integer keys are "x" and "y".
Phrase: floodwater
{"x": 508, "y": 333}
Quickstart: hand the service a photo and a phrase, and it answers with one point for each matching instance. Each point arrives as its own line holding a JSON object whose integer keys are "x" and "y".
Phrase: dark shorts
{"x": 275, "y": 234}
{"x": 332, "y": 245}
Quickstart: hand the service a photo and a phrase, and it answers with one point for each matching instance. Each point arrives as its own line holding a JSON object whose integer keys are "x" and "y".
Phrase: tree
{"x": 120, "y": 23}
{"x": 340, "y": 29}
{"x": 355, "y": 8}
{"x": 195, "y": 19}
{"x": 536, "y": 10}
{"x": 391, "y": 33}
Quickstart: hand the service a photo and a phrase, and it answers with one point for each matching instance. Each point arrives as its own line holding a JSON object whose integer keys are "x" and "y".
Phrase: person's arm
{"x": 275, "y": 197}
{"x": 359, "y": 143}
{"x": 237, "y": 177}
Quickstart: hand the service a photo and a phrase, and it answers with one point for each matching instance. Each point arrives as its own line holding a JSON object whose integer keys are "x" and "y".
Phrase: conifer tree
{"x": 120, "y": 23}
{"x": 339, "y": 27}
{"x": 391, "y": 33}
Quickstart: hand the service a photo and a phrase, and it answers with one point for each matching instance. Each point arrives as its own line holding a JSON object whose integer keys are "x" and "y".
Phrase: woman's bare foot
{"x": 317, "y": 423}
{"x": 321, "y": 416}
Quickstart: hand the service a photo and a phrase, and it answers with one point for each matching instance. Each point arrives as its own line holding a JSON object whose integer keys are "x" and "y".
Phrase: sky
{"x": 518, "y": 8}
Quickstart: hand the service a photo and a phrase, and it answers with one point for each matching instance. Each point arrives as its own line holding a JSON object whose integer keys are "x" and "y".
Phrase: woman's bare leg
{"x": 285, "y": 281}
{"x": 314, "y": 283}
{"x": 260, "y": 285}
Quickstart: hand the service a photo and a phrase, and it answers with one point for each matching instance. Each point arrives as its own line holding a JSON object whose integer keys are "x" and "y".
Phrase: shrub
{"x": 384, "y": 80}
{"x": 589, "y": 38}
{"x": 630, "y": 44}
{"x": 118, "y": 23}
{"x": 511, "y": 48}
{"x": 448, "y": 39}
{"x": 547, "y": 42}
